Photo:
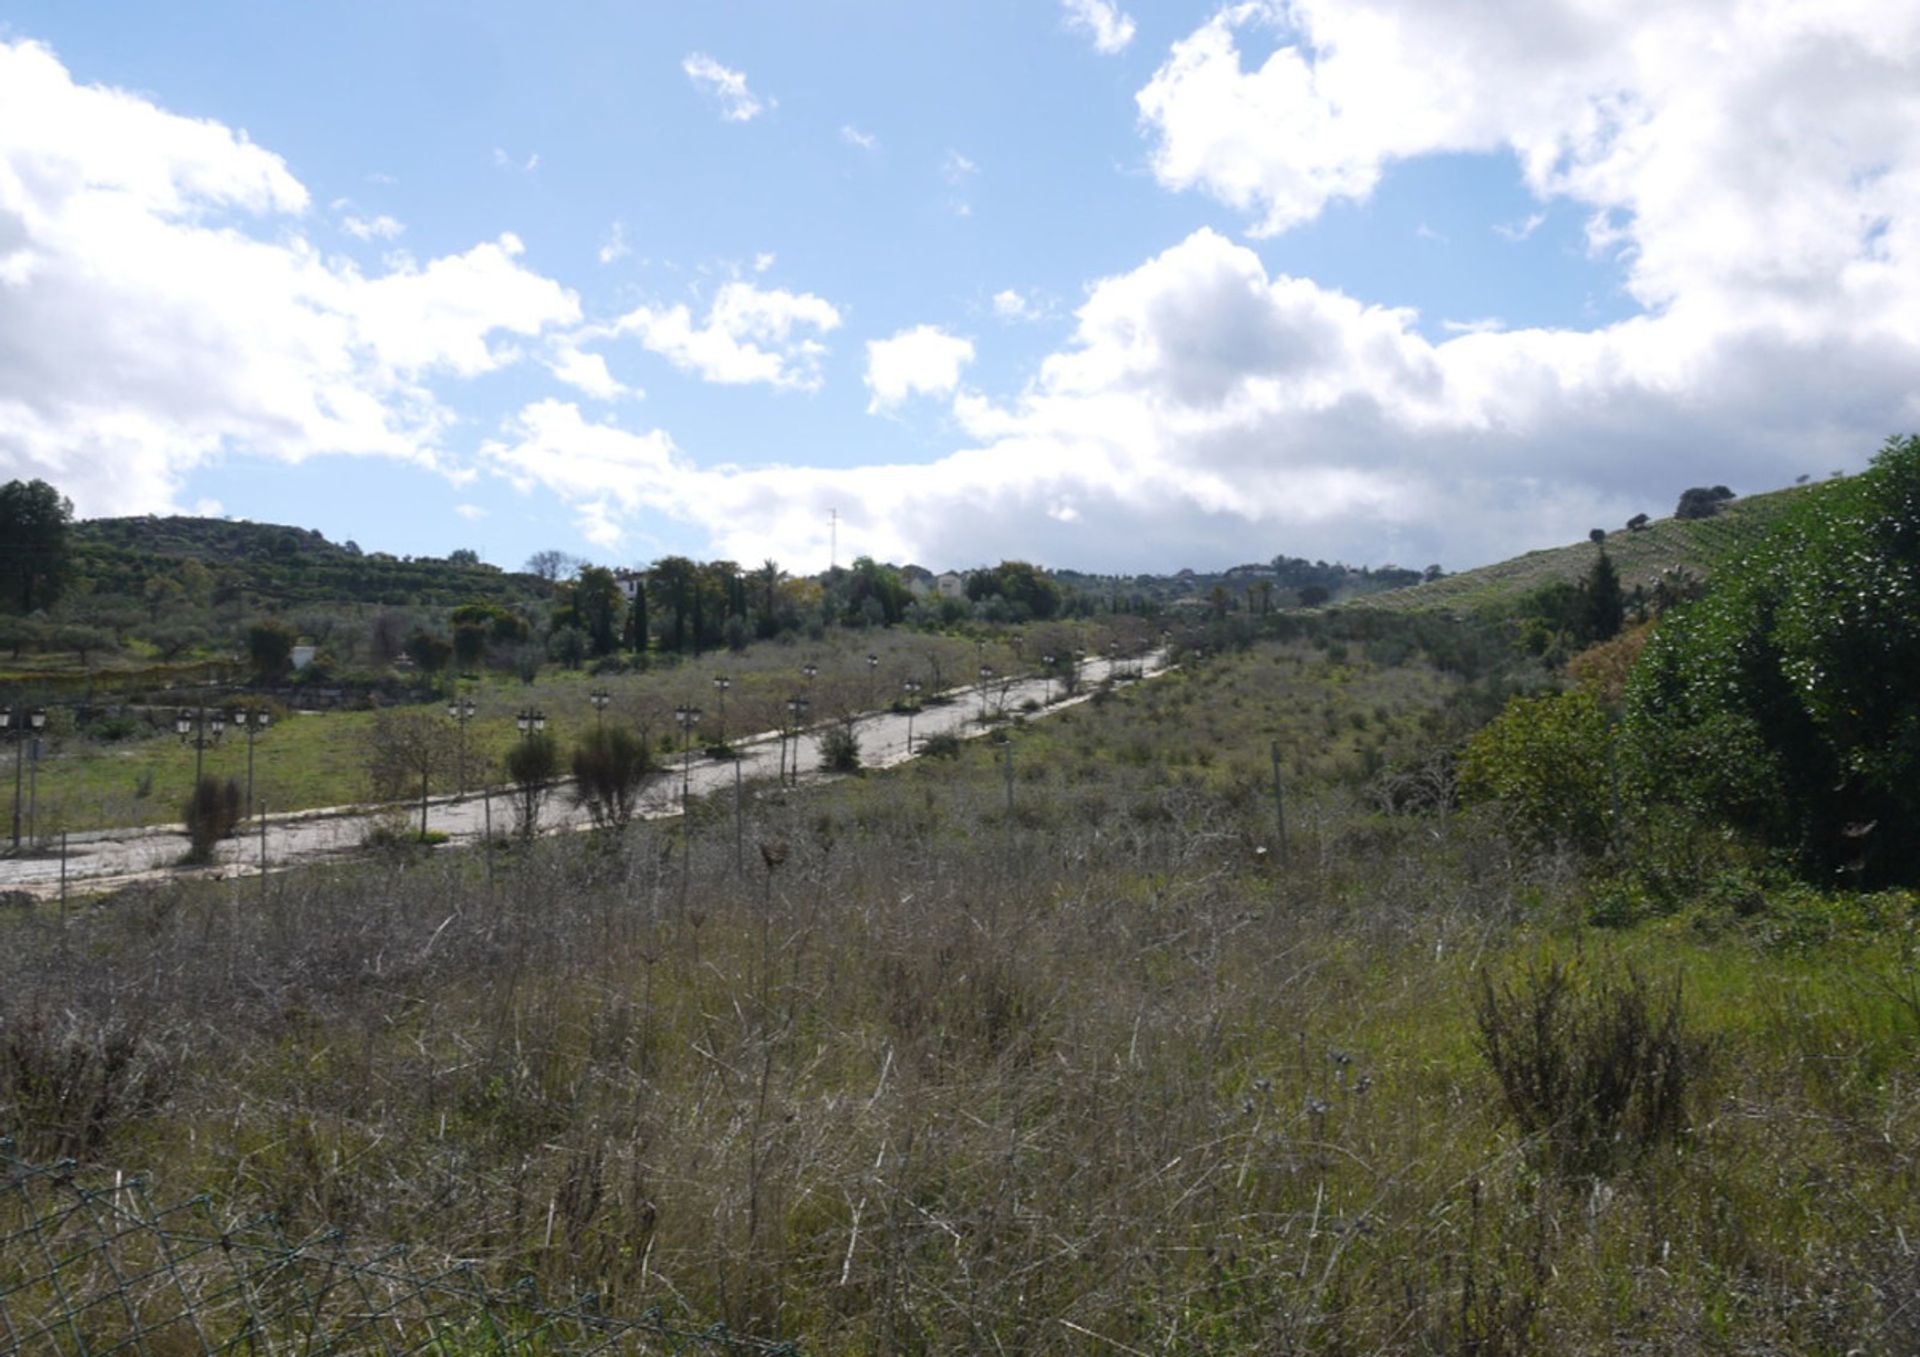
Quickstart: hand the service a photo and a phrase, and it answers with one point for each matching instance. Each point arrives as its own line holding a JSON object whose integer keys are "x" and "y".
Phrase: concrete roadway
{"x": 108, "y": 859}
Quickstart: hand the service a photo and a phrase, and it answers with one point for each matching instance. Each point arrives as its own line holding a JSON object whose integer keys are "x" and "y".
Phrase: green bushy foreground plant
{"x": 1115, "y": 1072}
{"x": 1783, "y": 703}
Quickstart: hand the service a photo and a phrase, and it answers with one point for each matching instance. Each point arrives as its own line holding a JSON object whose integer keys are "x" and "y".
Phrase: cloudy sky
{"x": 1103, "y": 285}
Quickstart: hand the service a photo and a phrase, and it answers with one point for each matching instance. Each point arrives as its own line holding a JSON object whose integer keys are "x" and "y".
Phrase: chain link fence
{"x": 89, "y": 1269}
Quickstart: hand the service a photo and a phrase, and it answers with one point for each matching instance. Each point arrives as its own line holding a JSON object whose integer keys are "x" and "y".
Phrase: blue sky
{"x": 1107, "y": 289}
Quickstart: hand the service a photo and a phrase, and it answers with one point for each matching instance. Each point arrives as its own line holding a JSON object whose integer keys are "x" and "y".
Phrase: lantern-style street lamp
{"x": 253, "y": 722}
{"x": 200, "y": 729}
{"x": 797, "y": 708}
{"x": 688, "y": 717}
{"x": 912, "y": 689}
{"x": 20, "y": 725}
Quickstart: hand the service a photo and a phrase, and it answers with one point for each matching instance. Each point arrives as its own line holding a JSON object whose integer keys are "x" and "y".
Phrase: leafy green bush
{"x": 610, "y": 765}
{"x": 941, "y": 745}
{"x": 532, "y": 763}
{"x": 1783, "y": 703}
{"x": 1544, "y": 759}
{"x": 840, "y": 750}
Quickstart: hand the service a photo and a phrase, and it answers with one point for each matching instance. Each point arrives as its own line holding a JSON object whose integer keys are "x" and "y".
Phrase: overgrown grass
{"x": 896, "y": 1071}
{"x": 316, "y": 760}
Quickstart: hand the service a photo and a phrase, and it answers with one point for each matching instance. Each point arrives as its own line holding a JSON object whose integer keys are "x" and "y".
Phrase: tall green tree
{"x": 1783, "y": 702}
{"x": 592, "y": 602}
{"x": 1603, "y": 607}
{"x": 34, "y": 559}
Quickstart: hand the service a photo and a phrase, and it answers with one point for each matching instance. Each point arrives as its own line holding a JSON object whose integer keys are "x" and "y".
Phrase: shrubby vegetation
{"x": 908, "y": 1067}
{"x": 1777, "y": 706}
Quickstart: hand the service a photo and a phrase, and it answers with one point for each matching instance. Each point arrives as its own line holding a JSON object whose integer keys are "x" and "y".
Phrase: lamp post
{"x": 986, "y": 676}
{"x": 530, "y": 722}
{"x": 599, "y": 697}
{"x": 720, "y": 685}
{"x": 201, "y": 729}
{"x": 1047, "y": 660}
{"x": 461, "y": 709}
{"x": 809, "y": 669}
{"x": 912, "y": 689}
{"x": 255, "y": 722}
{"x": 873, "y": 669}
{"x": 688, "y": 717}
{"x": 797, "y": 708}
{"x": 18, "y": 724}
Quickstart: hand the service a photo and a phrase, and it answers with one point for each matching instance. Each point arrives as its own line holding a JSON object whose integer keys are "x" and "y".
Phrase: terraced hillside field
{"x": 1698, "y": 544}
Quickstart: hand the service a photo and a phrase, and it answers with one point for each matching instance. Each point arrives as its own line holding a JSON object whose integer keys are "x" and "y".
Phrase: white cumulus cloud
{"x": 738, "y": 104}
{"x": 587, "y": 372}
{"x": 1103, "y": 21}
{"x": 748, "y": 334}
{"x": 922, "y": 361}
{"x": 381, "y": 227}
{"x": 160, "y": 305}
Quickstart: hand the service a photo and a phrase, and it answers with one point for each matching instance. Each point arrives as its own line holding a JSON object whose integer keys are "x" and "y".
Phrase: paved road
{"x": 109, "y": 858}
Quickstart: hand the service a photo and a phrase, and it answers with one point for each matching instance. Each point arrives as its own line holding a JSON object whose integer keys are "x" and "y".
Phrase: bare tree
{"x": 405, "y": 748}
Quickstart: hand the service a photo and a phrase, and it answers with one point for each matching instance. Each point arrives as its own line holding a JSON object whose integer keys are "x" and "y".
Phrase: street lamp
{"x": 720, "y": 685}
{"x": 986, "y": 677}
{"x": 797, "y": 707}
{"x": 201, "y": 729}
{"x": 530, "y": 722}
{"x": 688, "y": 717}
{"x": 255, "y": 722}
{"x": 912, "y": 688}
{"x": 461, "y": 709}
{"x": 1047, "y": 660}
{"x": 809, "y": 670}
{"x": 873, "y": 668}
{"x": 599, "y": 697}
{"x": 17, "y": 724}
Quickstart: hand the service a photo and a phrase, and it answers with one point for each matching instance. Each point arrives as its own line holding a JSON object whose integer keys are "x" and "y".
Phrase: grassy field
{"x": 312, "y": 760}
{"x": 1090, "y": 1065}
{"x": 1697, "y": 545}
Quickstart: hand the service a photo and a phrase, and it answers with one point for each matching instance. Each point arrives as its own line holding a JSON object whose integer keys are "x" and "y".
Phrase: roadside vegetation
{"x": 1370, "y": 983}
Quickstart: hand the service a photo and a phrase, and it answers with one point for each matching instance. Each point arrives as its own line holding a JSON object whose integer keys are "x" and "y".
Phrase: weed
{"x": 1594, "y": 1064}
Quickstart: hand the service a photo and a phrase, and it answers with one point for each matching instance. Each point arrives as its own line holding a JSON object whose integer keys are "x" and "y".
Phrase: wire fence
{"x": 93, "y": 1269}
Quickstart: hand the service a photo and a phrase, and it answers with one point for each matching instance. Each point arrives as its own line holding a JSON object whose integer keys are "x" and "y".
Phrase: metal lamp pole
{"x": 986, "y": 677}
{"x": 912, "y": 688}
{"x": 530, "y": 722}
{"x": 255, "y": 722}
{"x": 688, "y": 717}
{"x": 203, "y": 730}
{"x": 1047, "y": 660}
{"x": 599, "y": 697}
{"x": 797, "y": 706}
{"x": 461, "y": 709}
{"x": 873, "y": 669}
{"x": 720, "y": 685}
{"x": 19, "y": 724}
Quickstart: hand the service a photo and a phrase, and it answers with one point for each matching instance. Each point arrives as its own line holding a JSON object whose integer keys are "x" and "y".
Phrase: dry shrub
{"x": 68, "y": 1082}
{"x": 1597, "y": 1066}
{"x": 212, "y": 813}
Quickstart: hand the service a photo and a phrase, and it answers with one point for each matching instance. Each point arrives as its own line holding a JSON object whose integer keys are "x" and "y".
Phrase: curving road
{"x": 112, "y": 858}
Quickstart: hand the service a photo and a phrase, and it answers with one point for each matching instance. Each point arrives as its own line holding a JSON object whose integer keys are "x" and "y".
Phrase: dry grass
{"x": 914, "y": 1075}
